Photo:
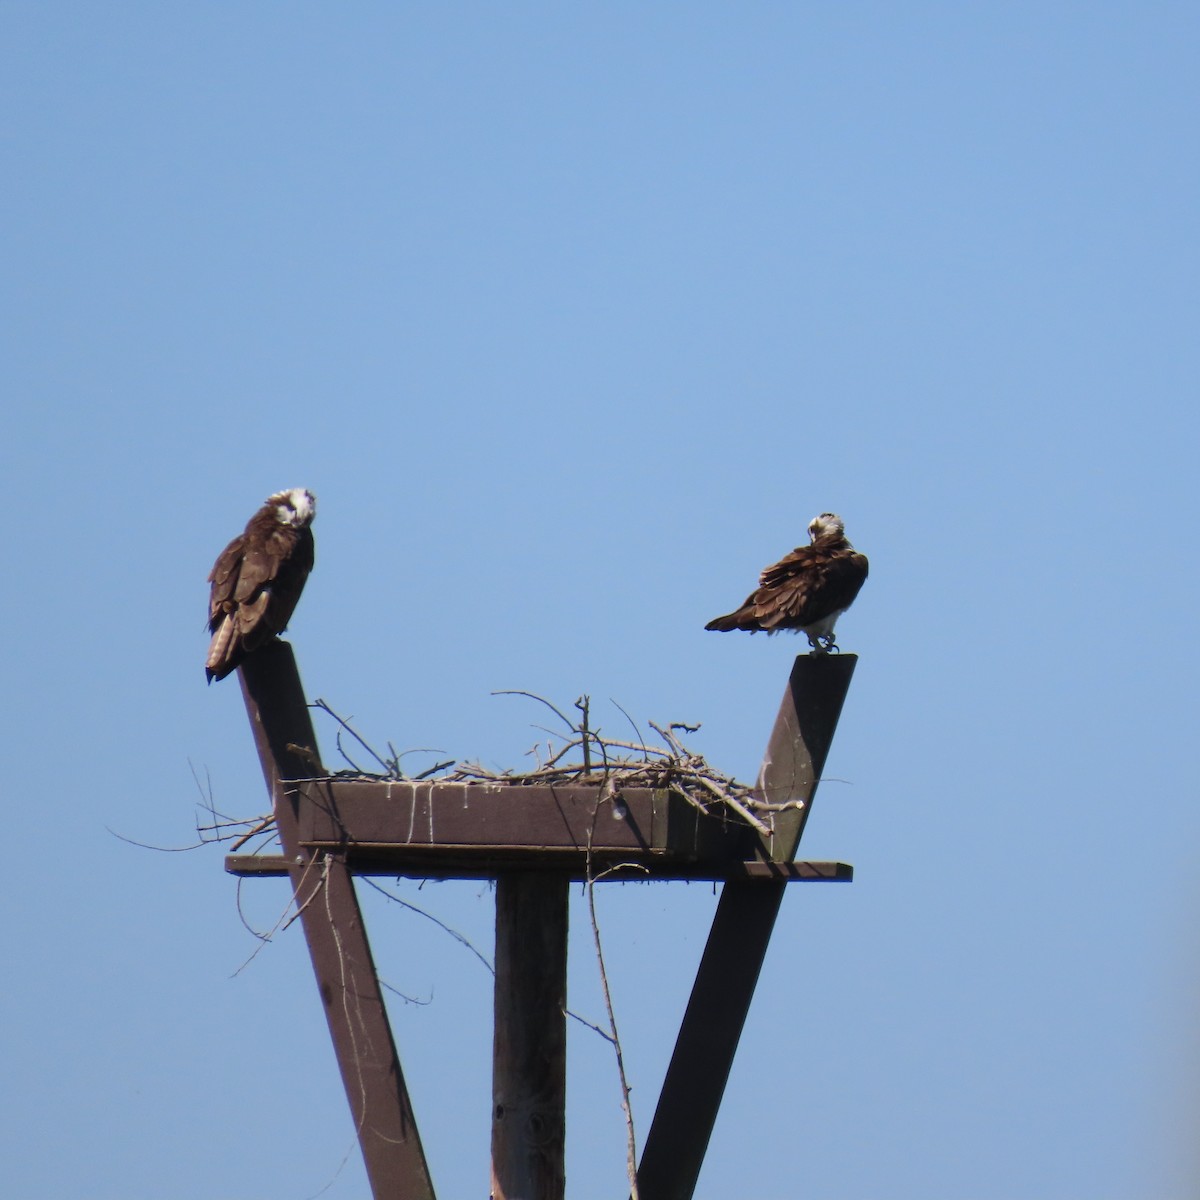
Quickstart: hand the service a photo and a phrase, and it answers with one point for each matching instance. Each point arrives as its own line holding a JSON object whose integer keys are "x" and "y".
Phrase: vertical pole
{"x": 529, "y": 1057}
{"x": 741, "y": 930}
{"x": 337, "y": 938}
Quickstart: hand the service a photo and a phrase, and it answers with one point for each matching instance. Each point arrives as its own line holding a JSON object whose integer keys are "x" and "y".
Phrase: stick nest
{"x": 579, "y": 755}
{"x": 582, "y": 756}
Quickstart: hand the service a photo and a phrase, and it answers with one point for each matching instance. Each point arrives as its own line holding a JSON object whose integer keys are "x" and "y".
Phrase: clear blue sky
{"x": 572, "y": 317}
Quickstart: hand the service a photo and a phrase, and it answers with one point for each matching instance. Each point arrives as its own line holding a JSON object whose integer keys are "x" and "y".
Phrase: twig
{"x": 641, "y": 737}
{"x": 391, "y": 765}
{"x": 737, "y": 806}
{"x": 287, "y": 916}
{"x": 541, "y": 700}
{"x": 345, "y": 724}
{"x": 583, "y": 704}
{"x": 264, "y": 824}
{"x": 441, "y": 766}
{"x": 147, "y": 846}
{"x": 615, "y": 1037}
{"x": 462, "y": 939}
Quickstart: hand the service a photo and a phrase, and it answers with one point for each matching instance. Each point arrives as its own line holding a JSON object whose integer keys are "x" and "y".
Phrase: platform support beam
{"x": 741, "y": 930}
{"x": 529, "y": 1060}
{"x": 337, "y": 939}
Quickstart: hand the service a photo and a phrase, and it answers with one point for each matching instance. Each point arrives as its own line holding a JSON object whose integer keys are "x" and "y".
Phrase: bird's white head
{"x": 826, "y": 524}
{"x": 295, "y": 507}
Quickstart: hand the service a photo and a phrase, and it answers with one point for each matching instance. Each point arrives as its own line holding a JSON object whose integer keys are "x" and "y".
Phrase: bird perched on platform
{"x": 258, "y": 578}
{"x": 805, "y": 591}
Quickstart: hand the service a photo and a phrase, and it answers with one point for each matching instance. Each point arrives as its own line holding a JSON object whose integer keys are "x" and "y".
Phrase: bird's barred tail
{"x": 218, "y": 665}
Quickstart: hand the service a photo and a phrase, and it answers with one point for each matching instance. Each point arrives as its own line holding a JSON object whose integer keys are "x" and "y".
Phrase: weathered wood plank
{"x": 340, "y": 812}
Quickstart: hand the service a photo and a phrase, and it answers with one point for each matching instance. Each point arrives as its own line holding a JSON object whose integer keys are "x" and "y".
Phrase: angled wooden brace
{"x": 337, "y": 938}
{"x": 741, "y": 929}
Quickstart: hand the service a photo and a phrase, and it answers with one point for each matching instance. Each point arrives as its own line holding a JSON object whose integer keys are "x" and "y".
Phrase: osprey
{"x": 258, "y": 579}
{"x": 806, "y": 590}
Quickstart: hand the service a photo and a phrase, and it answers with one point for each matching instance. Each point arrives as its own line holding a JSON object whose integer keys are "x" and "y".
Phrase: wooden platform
{"x": 532, "y": 841}
{"x": 475, "y": 830}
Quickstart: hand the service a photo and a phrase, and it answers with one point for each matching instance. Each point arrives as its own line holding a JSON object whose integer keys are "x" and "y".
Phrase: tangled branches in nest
{"x": 613, "y": 764}
{"x": 580, "y": 755}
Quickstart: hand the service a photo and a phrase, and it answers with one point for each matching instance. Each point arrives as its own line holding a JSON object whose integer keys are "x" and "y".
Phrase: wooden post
{"x": 800, "y": 741}
{"x": 741, "y": 931}
{"x": 337, "y": 939}
{"x": 529, "y": 1060}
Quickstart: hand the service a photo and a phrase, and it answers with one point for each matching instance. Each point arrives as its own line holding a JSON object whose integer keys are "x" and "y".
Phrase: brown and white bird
{"x": 257, "y": 580}
{"x": 805, "y": 591}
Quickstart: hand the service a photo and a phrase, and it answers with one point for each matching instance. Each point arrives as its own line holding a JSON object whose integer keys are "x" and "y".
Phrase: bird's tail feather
{"x": 218, "y": 664}
{"x": 732, "y": 621}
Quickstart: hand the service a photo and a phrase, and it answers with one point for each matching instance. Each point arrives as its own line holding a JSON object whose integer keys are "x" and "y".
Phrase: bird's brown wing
{"x": 802, "y": 587}
{"x": 224, "y": 580}
{"x": 810, "y": 584}
{"x": 292, "y": 553}
{"x": 846, "y": 574}
{"x": 802, "y": 559}
{"x": 256, "y": 584}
